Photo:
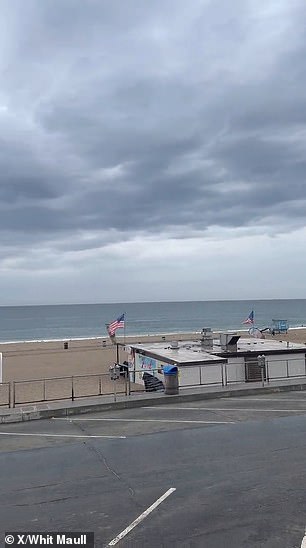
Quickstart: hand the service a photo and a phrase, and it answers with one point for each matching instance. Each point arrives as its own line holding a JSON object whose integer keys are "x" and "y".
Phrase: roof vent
{"x": 229, "y": 341}
{"x": 206, "y": 340}
{"x": 174, "y": 345}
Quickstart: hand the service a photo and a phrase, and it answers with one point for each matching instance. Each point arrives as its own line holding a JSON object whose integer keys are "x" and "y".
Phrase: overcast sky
{"x": 152, "y": 150}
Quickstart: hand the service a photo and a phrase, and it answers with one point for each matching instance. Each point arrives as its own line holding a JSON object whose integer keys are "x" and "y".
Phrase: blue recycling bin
{"x": 171, "y": 379}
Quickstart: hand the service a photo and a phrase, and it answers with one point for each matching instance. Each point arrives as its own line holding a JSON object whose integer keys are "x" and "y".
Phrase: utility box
{"x": 171, "y": 379}
{"x": 114, "y": 372}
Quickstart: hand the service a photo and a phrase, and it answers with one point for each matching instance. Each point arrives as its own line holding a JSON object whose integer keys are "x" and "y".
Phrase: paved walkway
{"x": 87, "y": 405}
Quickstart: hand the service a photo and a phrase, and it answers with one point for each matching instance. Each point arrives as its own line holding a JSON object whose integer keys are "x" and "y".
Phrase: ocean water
{"x": 19, "y": 323}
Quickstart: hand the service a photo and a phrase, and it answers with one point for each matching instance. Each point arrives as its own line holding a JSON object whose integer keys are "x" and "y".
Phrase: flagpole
{"x": 111, "y": 333}
{"x": 124, "y": 328}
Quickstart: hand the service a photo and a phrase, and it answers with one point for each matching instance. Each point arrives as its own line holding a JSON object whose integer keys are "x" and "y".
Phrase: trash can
{"x": 171, "y": 380}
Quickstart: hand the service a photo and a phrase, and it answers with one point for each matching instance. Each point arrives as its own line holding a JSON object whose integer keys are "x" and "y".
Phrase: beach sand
{"x": 39, "y": 360}
{"x": 45, "y": 359}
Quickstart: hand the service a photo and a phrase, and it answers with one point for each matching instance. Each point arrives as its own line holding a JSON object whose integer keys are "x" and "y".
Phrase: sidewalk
{"x": 105, "y": 403}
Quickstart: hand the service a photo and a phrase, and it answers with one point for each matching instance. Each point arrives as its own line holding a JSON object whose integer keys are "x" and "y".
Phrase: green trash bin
{"x": 171, "y": 380}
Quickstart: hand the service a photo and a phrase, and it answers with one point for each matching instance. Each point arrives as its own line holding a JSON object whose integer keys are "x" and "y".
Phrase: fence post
{"x": 222, "y": 374}
{"x": 115, "y": 388}
{"x": 125, "y": 384}
{"x": 9, "y": 395}
{"x": 225, "y": 374}
{"x": 44, "y": 394}
{"x": 287, "y": 366}
{"x": 72, "y": 390}
{"x": 100, "y": 385}
{"x": 13, "y": 387}
{"x": 200, "y": 368}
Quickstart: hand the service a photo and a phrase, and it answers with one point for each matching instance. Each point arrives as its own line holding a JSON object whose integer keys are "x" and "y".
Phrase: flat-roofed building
{"x": 223, "y": 360}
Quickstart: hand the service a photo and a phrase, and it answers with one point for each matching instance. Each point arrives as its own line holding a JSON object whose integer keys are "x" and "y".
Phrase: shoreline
{"x": 148, "y": 336}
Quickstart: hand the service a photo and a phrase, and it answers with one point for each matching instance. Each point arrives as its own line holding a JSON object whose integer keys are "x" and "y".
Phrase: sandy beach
{"x": 48, "y": 359}
{"x": 38, "y": 360}
{"x": 60, "y": 360}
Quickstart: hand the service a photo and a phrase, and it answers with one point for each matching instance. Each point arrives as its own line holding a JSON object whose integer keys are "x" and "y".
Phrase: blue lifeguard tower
{"x": 279, "y": 326}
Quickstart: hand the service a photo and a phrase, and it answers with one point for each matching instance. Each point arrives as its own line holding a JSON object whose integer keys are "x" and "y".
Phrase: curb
{"x": 24, "y": 416}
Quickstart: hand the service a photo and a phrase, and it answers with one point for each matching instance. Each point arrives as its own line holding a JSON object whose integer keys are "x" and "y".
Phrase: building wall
{"x": 188, "y": 375}
{"x": 284, "y": 365}
{"x": 150, "y": 365}
{"x": 278, "y": 366}
{"x": 235, "y": 369}
{"x": 211, "y": 374}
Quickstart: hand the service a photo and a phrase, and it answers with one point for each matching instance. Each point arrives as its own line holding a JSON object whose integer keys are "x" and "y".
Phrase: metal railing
{"x": 291, "y": 369}
{"x": 225, "y": 374}
{"x": 201, "y": 370}
{"x": 84, "y": 386}
{"x": 64, "y": 388}
{"x": 274, "y": 370}
{"x": 5, "y": 394}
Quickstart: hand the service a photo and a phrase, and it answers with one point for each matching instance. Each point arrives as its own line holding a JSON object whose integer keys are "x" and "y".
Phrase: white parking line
{"x": 43, "y": 435}
{"x": 226, "y": 409}
{"x": 144, "y": 420}
{"x": 141, "y": 517}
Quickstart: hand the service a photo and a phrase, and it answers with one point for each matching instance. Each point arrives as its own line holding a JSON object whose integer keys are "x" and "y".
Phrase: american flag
{"x": 250, "y": 318}
{"x": 116, "y": 324}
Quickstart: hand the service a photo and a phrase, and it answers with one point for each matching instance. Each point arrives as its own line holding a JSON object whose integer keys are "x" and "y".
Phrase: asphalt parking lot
{"x": 214, "y": 473}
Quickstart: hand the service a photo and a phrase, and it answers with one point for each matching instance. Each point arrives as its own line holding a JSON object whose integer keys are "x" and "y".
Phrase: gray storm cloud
{"x": 126, "y": 117}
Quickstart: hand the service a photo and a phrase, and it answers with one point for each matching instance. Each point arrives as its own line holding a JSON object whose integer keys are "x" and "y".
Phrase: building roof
{"x": 192, "y": 352}
{"x": 186, "y": 353}
{"x": 251, "y": 344}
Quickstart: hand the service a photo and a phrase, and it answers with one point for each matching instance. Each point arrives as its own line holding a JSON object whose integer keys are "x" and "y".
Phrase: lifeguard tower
{"x": 279, "y": 326}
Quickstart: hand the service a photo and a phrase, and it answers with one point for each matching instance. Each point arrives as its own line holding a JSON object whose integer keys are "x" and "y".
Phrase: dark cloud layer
{"x": 144, "y": 116}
